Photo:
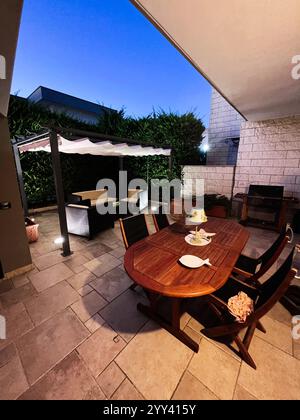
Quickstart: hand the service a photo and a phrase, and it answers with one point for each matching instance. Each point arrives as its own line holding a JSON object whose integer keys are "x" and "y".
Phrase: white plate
{"x": 189, "y": 239}
{"x": 191, "y": 261}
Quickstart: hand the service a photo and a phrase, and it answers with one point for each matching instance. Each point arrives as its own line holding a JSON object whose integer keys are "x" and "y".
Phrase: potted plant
{"x": 32, "y": 230}
{"x": 216, "y": 205}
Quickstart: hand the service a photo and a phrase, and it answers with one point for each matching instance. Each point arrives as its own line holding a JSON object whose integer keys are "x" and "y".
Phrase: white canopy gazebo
{"x": 74, "y": 141}
{"x": 85, "y": 146}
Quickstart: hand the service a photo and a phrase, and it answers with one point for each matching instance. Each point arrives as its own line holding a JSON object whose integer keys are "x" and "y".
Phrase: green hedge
{"x": 182, "y": 132}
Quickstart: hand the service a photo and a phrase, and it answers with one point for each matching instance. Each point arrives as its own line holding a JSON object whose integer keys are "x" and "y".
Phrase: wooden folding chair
{"x": 254, "y": 268}
{"x": 160, "y": 221}
{"x": 264, "y": 298}
{"x": 133, "y": 229}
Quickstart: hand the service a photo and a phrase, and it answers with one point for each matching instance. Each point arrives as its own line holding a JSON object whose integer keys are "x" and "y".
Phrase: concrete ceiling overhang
{"x": 10, "y": 15}
{"x": 244, "y": 48}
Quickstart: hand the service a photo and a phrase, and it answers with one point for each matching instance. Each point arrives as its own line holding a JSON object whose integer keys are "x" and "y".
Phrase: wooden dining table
{"x": 153, "y": 263}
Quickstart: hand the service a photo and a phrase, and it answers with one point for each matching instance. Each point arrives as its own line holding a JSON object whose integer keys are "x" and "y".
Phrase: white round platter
{"x": 189, "y": 239}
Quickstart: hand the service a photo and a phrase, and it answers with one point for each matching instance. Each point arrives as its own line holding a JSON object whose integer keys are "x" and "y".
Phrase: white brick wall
{"x": 269, "y": 153}
{"x": 224, "y": 124}
{"x": 217, "y": 179}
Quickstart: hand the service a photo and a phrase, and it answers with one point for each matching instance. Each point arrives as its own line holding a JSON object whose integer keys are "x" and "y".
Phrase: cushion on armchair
{"x": 90, "y": 197}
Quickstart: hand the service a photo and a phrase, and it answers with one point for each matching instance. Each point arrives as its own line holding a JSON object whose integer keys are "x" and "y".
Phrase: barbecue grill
{"x": 264, "y": 206}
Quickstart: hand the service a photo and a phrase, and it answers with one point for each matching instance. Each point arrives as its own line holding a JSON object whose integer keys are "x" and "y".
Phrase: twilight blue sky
{"x": 107, "y": 52}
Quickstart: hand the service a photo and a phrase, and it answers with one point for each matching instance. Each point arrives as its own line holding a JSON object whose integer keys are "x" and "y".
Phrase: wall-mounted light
{"x": 205, "y": 148}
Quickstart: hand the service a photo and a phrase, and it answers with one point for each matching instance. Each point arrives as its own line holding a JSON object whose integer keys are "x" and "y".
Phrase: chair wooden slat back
{"x": 275, "y": 287}
{"x": 160, "y": 221}
{"x": 270, "y": 256}
{"x": 134, "y": 229}
{"x": 267, "y": 255}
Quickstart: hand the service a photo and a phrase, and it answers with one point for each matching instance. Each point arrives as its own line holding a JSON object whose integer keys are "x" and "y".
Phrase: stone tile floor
{"x": 74, "y": 333}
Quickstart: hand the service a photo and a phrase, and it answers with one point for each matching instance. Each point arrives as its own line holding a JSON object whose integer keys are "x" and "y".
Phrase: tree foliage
{"x": 183, "y": 133}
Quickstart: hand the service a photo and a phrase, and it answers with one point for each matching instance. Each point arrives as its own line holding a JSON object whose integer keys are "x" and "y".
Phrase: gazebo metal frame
{"x": 52, "y": 133}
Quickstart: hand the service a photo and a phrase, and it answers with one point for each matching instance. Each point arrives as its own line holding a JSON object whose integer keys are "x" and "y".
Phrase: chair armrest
{"x": 218, "y": 302}
{"x": 246, "y": 266}
{"x": 244, "y": 284}
{"x": 241, "y": 272}
{"x": 251, "y": 291}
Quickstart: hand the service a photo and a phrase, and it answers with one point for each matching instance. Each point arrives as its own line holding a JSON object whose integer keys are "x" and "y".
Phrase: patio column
{"x": 170, "y": 163}
{"x": 121, "y": 163}
{"x": 59, "y": 193}
{"x": 20, "y": 177}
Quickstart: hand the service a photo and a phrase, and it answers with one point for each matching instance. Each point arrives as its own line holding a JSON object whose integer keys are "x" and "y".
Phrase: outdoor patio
{"x": 74, "y": 333}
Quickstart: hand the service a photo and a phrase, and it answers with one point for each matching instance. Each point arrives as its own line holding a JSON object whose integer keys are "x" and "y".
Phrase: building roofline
{"x": 93, "y": 107}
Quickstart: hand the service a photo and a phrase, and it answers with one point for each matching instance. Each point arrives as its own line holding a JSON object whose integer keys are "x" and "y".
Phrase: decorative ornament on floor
{"x": 32, "y": 230}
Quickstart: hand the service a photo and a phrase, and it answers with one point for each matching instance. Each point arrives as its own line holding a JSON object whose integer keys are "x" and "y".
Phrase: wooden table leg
{"x": 153, "y": 299}
{"x": 282, "y": 216}
{"x": 176, "y": 314}
{"x": 173, "y": 328}
{"x": 244, "y": 216}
